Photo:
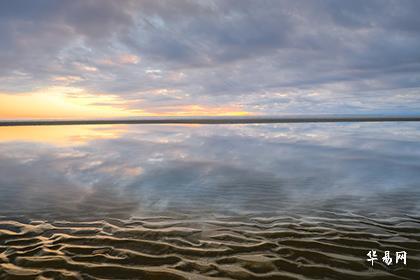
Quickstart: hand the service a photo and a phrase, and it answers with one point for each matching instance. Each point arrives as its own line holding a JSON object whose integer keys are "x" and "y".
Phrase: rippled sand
{"x": 320, "y": 245}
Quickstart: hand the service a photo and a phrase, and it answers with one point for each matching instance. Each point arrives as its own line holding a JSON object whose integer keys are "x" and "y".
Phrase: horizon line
{"x": 319, "y": 118}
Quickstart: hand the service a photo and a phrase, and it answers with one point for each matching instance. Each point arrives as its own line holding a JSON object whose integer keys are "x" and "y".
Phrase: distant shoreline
{"x": 221, "y": 120}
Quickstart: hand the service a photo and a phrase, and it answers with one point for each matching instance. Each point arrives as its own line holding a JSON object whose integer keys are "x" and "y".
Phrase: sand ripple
{"x": 330, "y": 246}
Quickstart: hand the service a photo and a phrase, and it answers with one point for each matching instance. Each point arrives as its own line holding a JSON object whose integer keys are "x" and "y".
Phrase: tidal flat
{"x": 249, "y": 201}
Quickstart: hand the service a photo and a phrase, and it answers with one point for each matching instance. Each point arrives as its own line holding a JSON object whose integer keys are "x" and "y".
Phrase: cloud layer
{"x": 262, "y": 57}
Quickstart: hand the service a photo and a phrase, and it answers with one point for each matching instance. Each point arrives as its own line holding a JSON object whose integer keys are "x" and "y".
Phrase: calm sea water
{"x": 286, "y": 201}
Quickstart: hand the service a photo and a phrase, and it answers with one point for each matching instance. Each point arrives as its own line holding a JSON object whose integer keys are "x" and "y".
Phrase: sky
{"x": 101, "y": 58}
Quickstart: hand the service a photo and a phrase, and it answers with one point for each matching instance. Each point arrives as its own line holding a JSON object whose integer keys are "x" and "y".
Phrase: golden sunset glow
{"x": 76, "y": 103}
{"x": 198, "y": 110}
{"x": 60, "y": 102}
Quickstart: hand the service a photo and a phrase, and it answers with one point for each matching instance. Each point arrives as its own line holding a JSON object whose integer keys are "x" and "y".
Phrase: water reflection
{"x": 60, "y": 135}
{"x": 129, "y": 171}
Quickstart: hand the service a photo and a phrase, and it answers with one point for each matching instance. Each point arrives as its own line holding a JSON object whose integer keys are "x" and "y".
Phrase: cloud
{"x": 213, "y": 52}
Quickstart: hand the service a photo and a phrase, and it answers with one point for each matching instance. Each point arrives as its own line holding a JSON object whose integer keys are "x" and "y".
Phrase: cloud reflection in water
{"x": 215, "y": 169}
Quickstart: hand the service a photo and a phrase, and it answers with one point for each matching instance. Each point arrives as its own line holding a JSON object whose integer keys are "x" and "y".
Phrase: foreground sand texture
{"x": 324, "y": 245}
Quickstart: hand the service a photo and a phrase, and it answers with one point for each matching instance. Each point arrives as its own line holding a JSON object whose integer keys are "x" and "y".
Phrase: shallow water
{"x": 286, "y": 201}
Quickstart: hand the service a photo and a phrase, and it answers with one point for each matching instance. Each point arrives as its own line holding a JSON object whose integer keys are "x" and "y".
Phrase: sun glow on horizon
{"x": 76, "y": 103}
{"x": 60, "y": 102}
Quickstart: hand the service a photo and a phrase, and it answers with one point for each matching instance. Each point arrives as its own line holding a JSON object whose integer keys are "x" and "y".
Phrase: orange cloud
{"x": 129, "y": 59}
{"x": 121, "y": 59}
{"x": 198, "y": 110}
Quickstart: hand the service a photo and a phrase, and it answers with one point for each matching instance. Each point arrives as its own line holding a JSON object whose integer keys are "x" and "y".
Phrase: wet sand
{"x": 319, "y": 244}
